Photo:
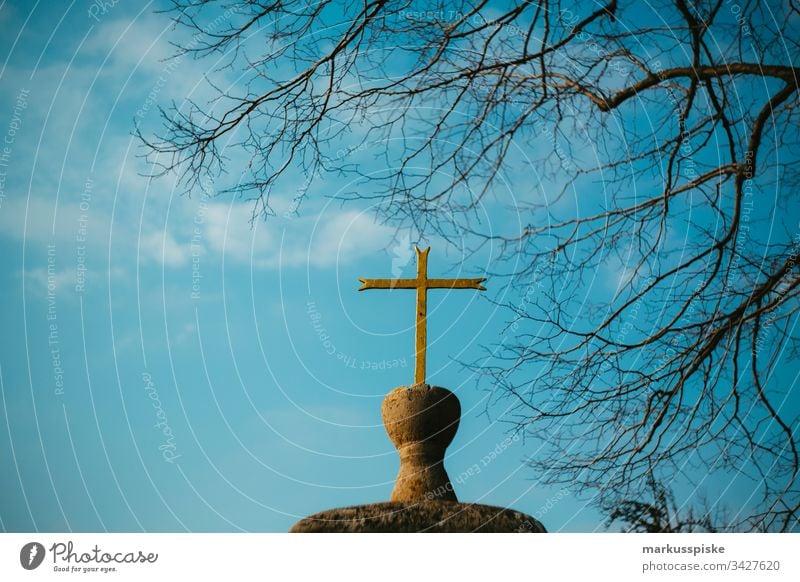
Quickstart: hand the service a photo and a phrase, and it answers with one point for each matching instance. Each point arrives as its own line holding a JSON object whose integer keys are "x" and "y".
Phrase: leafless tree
{"x": 655, "y": 253}
{"x": 660, "y": 514}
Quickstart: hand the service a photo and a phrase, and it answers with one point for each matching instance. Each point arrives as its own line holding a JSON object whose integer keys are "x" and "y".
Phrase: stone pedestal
{"x": 421, "y": 421}
{"x": 425, "y": 517}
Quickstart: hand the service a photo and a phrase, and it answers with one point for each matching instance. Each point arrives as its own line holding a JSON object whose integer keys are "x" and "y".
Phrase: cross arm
{"x": 456, "y": 284}
{"x": 387, "y": 284}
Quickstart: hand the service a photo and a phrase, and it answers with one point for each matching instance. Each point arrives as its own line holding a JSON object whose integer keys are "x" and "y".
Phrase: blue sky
{"x": 130, "y": 310}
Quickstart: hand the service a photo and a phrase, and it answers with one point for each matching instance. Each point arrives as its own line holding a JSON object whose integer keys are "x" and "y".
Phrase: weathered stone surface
{"x": 421, "y": 420}
{"x": 428, "y": 516}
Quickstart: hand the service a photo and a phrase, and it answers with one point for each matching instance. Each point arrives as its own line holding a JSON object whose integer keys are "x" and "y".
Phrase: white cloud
{"x": 140, "y": 52}
{"x": 39, "y": 280}
{"x": 128, "y": 43}
{"x": 321, "y": 240}
{"x": 100, "y": 147}
{"x": 188, "y": 331}
{"x": 227, "y": 231}
{"x": 46, "y": 222}
{"x": 346, "y": 236}
{"x": 161, "y": 247}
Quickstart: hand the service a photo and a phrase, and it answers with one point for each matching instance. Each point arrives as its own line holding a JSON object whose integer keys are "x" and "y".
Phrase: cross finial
{"x": 421, "y": 284}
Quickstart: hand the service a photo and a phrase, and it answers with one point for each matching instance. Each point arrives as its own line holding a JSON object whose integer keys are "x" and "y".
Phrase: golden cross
{"x": 421, "y": 284}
